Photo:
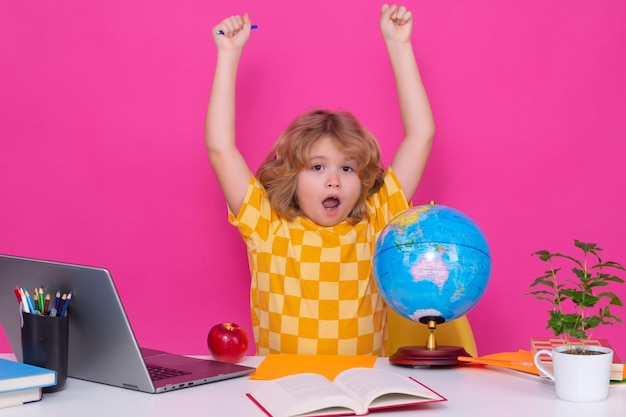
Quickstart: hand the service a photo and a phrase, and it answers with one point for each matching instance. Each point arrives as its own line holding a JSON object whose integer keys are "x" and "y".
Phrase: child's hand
{"x": 396, "y": 23}
{"x": 235, "y": 32}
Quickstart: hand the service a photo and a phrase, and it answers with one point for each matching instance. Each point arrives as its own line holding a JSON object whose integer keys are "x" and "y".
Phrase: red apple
{"x": 228, "y": 342}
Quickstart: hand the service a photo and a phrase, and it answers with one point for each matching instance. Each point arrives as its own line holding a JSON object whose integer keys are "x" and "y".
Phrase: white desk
{"x": 470, "y": 392}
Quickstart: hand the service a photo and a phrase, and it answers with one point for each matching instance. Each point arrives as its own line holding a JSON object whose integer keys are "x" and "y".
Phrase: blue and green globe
{"x": 432, "y": 261}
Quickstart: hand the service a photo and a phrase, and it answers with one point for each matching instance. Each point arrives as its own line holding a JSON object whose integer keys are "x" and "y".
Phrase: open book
{"x": 356, "y": 391}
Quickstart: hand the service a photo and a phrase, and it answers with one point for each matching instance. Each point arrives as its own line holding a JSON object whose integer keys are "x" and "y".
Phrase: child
{"x": 311, "y": 216}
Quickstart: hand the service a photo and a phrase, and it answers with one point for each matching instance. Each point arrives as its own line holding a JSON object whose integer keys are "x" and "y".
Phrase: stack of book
{"x": 21, "y": 383}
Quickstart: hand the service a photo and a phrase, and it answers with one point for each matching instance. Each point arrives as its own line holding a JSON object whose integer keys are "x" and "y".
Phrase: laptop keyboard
{"x": 160, "y": 372}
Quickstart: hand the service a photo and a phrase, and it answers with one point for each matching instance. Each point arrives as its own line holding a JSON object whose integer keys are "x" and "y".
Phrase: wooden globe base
{"x": 431, "y": 354}
{"x": 423, "y": 356}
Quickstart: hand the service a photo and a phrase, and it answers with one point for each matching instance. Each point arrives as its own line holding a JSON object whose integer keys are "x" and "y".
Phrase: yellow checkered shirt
{"x": 312, "y": 289}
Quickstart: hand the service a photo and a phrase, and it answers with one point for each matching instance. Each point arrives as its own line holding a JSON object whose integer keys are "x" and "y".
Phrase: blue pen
{"x": 57, "y": 301}
{"x": 66, "y": 304}
{"x": 221, "y": 32}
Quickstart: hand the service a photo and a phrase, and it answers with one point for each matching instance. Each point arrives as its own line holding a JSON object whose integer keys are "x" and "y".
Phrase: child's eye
{"x": 317, "y": 167}
{"x": 347, "y": 169}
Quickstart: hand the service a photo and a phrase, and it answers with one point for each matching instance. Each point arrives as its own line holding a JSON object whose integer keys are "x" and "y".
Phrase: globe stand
{"x": 430, "y": 354}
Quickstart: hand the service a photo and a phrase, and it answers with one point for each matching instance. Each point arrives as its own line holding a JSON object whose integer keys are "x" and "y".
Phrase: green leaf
{"x": 544, "y": 280}
{"x": 586, "y": 247}
{"x": 594, "y": 284}
{"x": 615, "y": 301}
{"x": 581, "y": 298}
{"x": 609, "y": 264}
{"x": 606, "y": 314}
{"x": 578, "y": 334}
{"x": 613, "y": 278}
{"x": 544, "y": 255}
{"x": 570, "y": 318}
{"x": 591, "y": 322}
{"x": 548, "y": 299}
{"x": 580, "y": 273}
{"x": 571, "y": 258}
{"x": 541, "y": 292}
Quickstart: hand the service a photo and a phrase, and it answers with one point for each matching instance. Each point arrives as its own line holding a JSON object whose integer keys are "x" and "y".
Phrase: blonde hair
{"x": 290, "y": 155}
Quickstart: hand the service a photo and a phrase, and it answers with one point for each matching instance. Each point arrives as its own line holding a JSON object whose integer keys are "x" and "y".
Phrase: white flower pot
{"x": 579, "y": 378}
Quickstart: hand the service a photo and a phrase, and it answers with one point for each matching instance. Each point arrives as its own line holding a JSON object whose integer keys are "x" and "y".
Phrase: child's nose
{"x": 333, "y": 181}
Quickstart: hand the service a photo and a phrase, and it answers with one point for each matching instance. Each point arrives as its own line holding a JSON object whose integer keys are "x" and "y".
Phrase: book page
{"x": 304, "y": 394}
{"x": 379, "y": 388}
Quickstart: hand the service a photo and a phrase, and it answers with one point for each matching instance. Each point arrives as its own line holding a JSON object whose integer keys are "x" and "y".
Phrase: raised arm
{"x": 410, "y": 159}
{"x": 232, "y": 171}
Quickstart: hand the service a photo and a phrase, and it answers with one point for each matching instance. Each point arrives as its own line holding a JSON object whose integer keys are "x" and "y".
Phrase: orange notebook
{"x": 522, "y": 360}
{"x": 279, "y": 365}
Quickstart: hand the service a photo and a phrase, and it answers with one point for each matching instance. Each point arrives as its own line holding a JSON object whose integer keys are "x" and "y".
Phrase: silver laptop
{"x": 102, "y": 346}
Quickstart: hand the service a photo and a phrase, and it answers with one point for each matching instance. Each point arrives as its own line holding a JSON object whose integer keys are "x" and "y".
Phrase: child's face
{"x": 329, "y": 188}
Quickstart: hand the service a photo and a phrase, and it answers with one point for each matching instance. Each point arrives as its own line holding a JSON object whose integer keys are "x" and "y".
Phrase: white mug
{"x": 579, "y": 378}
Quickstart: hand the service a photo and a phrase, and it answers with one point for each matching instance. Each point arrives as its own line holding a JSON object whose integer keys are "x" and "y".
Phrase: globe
{"x": 431, "y": 262}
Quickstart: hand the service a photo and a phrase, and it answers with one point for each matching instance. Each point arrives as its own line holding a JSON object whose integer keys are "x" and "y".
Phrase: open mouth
{"x": 331, "y": 203}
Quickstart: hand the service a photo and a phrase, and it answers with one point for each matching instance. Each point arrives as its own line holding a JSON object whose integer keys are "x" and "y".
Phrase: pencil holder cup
{"x": 45, "y": 344}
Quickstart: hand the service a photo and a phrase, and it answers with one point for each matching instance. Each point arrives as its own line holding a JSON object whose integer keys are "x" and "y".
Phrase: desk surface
{"x": 469, "y": 390}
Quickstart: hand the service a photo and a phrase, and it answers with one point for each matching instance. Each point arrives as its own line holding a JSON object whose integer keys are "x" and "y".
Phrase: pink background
{"x": 103, "y": 162}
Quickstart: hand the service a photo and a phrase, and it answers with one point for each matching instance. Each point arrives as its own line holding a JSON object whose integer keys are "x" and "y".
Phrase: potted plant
{"x": 579, "y": 303}
{"x": 573, "y": 300}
